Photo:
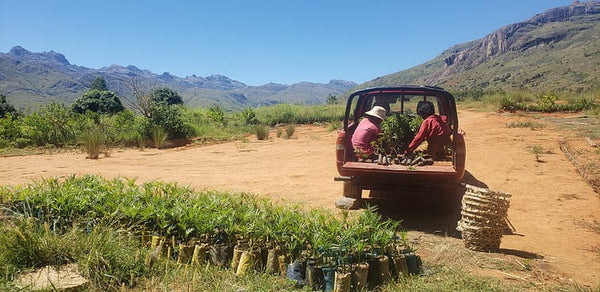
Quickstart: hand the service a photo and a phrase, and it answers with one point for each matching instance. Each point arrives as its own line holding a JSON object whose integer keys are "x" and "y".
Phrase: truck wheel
{"x": 352, "y": 191}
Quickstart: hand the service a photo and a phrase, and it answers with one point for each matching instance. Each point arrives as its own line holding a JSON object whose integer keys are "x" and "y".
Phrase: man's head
{"x": 425, "y": 109}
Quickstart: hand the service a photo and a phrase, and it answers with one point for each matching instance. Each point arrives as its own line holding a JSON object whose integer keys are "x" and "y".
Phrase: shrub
{"x": 10, "y": 128}
{"x": 171, "y": 119}
{"x": 547, "y": 103}
{"x": 129, "y": 127}
{"x": 262, "y": 132}
{"x": 537, "y": 150}
{"x": 217, "y": 115}
{"x": 249, "y": 116}
{"x": 507, "y": 104}
{"x": 53, "y": 124}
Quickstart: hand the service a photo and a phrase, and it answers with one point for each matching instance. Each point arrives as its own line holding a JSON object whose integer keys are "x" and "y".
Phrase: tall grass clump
{"x": 28, "y": 243}
{"x": 93, "y": 141}
{"x": 159, "y": 136}
{"x": 111, "y": 258}
{"x": 262, "y": 132}
{"x": 290, "y": 130}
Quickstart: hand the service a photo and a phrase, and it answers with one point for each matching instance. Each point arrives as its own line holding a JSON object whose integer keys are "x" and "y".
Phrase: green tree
{"x": 6, "y": 108}
{"x": 167, "y": 95}
{"x": 332, "y": 99}
{"x": 98, "y": 101}
{"x": 99, "y": 83}
{"x": 171, "y": 119}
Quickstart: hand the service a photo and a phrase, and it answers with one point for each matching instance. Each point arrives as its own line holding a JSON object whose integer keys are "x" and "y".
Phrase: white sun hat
{"x": 378, "y": 112}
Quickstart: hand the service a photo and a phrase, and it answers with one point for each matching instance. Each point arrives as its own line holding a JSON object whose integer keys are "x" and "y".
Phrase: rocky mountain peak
{"x": 23, "y": 55}
{"x": 510, "y": 37}
{"x": 18, "y": 51}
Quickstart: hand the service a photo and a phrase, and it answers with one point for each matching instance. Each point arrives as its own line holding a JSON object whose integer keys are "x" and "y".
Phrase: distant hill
{"x": 558, "y": 50}
{"x": 31, "y": 79}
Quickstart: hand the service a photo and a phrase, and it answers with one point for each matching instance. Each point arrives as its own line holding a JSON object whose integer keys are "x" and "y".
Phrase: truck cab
{"x": 358, "y": 175}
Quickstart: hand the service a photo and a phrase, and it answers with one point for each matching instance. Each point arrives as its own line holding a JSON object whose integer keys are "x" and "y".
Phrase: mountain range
{"x": 30, "y": 79}
{"x": 557, "y": 50}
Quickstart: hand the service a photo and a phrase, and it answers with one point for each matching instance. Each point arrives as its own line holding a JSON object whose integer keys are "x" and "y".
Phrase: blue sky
{"x": 256, "y": 42}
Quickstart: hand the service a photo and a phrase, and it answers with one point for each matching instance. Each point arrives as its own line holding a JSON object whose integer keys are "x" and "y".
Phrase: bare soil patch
{"x": 554, "y": 210}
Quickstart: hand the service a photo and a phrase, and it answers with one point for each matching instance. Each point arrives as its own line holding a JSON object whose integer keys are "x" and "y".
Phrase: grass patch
{"x": 446, "y": 278}
{"x": 526, "y": 124}
{"x": 538, "y": 150}
{"x": 11, "y": 151}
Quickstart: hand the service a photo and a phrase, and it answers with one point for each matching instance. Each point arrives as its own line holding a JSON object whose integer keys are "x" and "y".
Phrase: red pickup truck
{"x": 399, "y": 100}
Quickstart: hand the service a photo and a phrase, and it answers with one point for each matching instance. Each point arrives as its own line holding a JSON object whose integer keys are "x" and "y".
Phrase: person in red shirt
{"x": 434, "y": 129}
{"x": 367, "y": 131}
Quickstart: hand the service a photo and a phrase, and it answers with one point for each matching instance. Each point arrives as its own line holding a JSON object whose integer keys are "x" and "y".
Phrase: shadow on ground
{"x": 434, "y": 210}
{"x": 428, "y": 209}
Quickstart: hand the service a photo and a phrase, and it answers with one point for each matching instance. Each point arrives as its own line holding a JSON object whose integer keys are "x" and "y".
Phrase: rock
{"x": 65, "y": 278}
{"x": 348, "y": 203}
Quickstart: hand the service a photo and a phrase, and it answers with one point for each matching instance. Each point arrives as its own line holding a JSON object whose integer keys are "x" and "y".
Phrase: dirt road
{"x": 555, "y": 212}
